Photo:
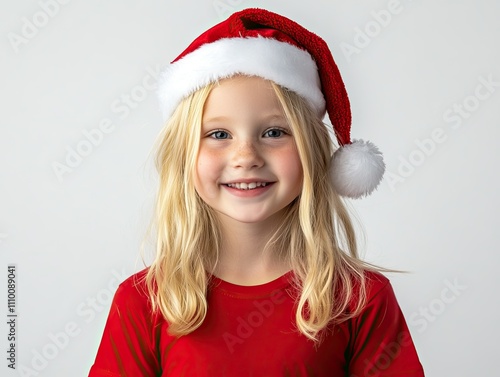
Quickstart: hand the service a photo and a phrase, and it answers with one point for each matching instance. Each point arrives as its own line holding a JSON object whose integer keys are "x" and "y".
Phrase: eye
{"x": 218, "y": 133}
{"x": 276, "y": 132}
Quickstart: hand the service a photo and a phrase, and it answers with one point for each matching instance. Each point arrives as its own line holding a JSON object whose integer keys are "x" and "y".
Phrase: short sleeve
{"x": 127, "y": 346}
{"x": 381, "y": 344}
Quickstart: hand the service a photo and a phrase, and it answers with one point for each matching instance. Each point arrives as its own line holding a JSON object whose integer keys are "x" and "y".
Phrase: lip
{"x": 248, "y": 193}
{"x": 248, "y": 180}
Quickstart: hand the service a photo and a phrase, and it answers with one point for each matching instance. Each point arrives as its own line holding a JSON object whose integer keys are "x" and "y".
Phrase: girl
{"x": 257, "y": 271}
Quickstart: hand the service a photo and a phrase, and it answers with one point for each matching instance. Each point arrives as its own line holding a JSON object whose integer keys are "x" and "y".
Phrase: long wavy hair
{"x": 316, "y": 237}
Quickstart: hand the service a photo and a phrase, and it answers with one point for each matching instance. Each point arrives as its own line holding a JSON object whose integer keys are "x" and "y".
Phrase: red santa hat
{"x": 257, "y": 42}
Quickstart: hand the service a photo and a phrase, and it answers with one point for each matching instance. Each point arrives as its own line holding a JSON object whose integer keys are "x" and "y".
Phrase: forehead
{"x": 242, "y": 96}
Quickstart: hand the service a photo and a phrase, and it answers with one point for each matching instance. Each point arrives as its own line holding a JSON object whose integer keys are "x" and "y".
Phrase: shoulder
{"x": 376, "y": 283}
{"x": 378, "y": 289}
{"x": 373, "y": 285}
{"x": 380, "y": 296}
{"x": 131, "y": 335}
{"x": 379, "y": 336}
{"x": 132, "y": 292}
{"x": 132, "y": 304}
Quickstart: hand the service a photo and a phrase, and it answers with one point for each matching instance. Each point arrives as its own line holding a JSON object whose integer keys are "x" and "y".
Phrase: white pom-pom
{"x": 356, "y": 169}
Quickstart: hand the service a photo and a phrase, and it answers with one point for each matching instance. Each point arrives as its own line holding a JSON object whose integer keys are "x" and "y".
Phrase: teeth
{"x": 247, "y": 186}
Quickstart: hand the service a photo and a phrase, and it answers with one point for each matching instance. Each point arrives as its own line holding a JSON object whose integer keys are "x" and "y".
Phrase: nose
{"x": 247, "y": 155}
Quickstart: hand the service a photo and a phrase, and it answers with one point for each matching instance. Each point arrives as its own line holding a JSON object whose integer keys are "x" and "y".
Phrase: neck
{"x": 242, "y": 258}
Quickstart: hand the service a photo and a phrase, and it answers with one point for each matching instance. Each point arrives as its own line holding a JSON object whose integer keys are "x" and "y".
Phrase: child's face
{"x": 242, "y": 138}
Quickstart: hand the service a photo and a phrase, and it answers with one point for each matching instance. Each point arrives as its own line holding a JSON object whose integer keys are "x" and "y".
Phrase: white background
{"x": 73, "y": 237}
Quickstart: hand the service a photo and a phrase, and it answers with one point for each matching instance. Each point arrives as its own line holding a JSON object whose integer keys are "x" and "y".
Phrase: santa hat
{"x": 257, "y": 42}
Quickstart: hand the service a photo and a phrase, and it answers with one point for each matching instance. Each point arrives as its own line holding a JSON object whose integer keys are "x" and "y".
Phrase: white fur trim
{"x": 268, "y": 58}
{"x": 356, "y": 169}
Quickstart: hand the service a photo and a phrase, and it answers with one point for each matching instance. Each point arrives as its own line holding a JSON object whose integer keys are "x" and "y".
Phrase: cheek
{"x": 207, "y": 166}
{"x": 292, "y": 166}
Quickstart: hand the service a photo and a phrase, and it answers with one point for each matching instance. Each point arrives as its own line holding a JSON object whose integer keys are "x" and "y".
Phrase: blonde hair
{"x": 316, "y": 237}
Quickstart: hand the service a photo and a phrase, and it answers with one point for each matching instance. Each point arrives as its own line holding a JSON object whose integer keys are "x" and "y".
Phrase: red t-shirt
{"x": 249, "y": 331}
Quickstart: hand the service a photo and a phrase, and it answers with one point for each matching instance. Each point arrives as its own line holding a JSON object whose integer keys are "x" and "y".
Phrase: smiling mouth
{"x": 248, "y": 186}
